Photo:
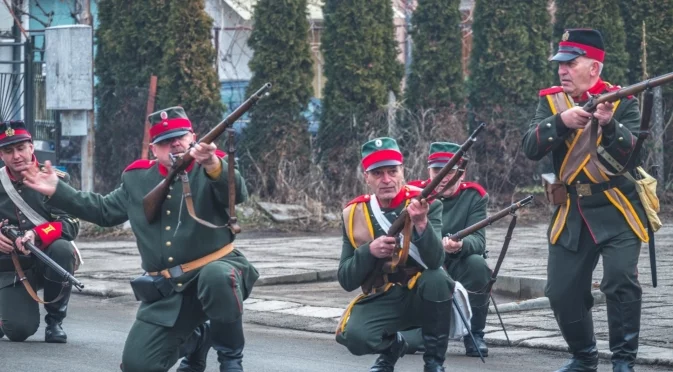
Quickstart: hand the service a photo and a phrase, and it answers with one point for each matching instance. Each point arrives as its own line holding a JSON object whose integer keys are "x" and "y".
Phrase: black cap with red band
{"x": 13, "y": 131}
{"x": 580, "y": 42}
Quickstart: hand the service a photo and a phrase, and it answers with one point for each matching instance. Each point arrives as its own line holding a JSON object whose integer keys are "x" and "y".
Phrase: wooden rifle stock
{"x": 154, "y": 199}
{"x": 490, "y": 219}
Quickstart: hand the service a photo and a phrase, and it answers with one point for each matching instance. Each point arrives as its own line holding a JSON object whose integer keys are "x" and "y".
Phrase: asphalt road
{"x": 97, "y": 329}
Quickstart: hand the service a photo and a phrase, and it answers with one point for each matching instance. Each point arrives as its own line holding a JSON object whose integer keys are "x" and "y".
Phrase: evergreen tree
{"x": 361, "y": 67}
{"x": 436, "y": 77}
{"x": 602, "y": 15}
{"x": 129, "y": 49}
{"x": 508, "y": 67}
{"x": 658, "y": 18}
{"x": 278, "y": 131}
{"x": 188, "y": 77}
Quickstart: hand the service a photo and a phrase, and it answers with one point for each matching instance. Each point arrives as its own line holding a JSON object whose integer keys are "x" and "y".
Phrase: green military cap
{"x": 380, "y": 152}
{"x": 441, "y": 153}
{"x": 169, "y": 123}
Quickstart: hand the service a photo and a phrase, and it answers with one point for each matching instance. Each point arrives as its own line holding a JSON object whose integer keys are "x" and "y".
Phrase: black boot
{"x": 624, "y": 329}
{"x": 56, "y": 311}
{"x": 479, "y": 304}
{"x": 195, "y": 350}
{"x": 436, "y": 324}
{"x": 228, "y": 341}
{"x": 582, "y": 343}
{"x": 2, "y": 334}
{"x": 386, "y": 361}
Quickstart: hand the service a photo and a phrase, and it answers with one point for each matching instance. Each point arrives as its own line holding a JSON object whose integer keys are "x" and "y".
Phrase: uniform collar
{"x": 164, "y": 171}
{"x": 598, "y": 88}
{"x": 401, "y": 196}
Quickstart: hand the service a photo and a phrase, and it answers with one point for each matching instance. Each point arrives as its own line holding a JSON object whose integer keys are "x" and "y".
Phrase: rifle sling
{"x": 24, "y": 280}
{"x": 187, "y": 194}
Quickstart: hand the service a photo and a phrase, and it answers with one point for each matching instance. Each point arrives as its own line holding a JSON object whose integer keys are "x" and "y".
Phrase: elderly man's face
{"x": 451, "y": 190}
{"x": 385, "y": 182}
{"x": 18, "y": 157}
{"x": 176, "y": 146}
{"x": 578, "y": 75}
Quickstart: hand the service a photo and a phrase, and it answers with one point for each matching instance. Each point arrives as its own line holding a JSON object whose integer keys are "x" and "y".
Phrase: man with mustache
{"x": 597, "y": 215}
{"x": 419, "y": 293}
{"x": 19, "y": 312}
{"x": 199, "y": 276}
{"x": 463, "y": 205}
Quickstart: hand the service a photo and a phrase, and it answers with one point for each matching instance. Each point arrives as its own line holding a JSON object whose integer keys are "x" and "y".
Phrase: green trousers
{"x": 569, "y": 274}
{"x": 474, "y": 274}
{"x": 375, "y": 319}
{"x": 217, "y": 295}
{"x": 19, "y": 313}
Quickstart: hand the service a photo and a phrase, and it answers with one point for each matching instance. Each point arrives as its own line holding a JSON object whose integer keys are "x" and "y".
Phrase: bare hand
{"x": 44, "y": 182}
{"x": 6, "y": 245}
{"x": 204, "y": 154}
{"x": 604, "y": 113}
{"x": 382, "y": 247}
{"x": 451, "y": 246}
{"x": 575, "y": 118}
{"x": 28, "y": 236}
{"x": 418, "y": 212}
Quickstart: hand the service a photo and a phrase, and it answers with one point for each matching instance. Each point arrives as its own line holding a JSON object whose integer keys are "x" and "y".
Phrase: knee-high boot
{"x": 195, "y": 350}
{"x": 228, "y": 341}
{"x": 582, "y": 343}
{"x": 436, "y": 325}
{"x": 624, "y": 329}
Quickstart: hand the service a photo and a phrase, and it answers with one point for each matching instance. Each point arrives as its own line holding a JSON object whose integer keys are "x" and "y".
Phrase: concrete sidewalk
{"x": 297, "y": 289}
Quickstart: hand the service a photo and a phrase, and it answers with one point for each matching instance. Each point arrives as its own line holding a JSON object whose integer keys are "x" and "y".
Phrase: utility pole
{"x": 88, "y": 142}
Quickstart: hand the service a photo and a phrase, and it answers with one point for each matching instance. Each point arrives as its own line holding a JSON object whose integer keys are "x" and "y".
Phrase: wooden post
{"x": 148, "y": 111}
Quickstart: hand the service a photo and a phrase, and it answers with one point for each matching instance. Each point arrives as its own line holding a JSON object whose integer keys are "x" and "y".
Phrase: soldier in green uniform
{"x": 597, "y": 214}
{"x": 19, "y": 311}
{"x": 208, "y": 279}
{"x": 419, "y": 293}
{"x": 464, "y": 204}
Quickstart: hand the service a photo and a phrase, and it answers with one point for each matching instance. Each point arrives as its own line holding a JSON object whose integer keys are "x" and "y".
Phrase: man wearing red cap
{"x": 419, "y": 293}
{"x": 597, "y": 214}
{"x": 463, "y": 205}
{"x": 196, "y": 274}
{"x": 49, "y": 228}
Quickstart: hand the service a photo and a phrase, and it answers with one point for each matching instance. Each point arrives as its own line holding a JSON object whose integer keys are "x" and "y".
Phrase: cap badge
{"x": 565, "y": 36}
{"x": 163, "y": 115}
{"x": 378, "y": 143}
{"x": 9, "y": 132}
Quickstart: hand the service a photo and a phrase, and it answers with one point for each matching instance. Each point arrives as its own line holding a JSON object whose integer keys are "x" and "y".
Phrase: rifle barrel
{"x": 490, "y": 219}
{"x": 630, "y": 90}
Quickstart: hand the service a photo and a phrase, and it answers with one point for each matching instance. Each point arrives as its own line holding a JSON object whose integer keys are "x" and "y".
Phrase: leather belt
{"x": 177, "y": 271}
{"x": 588, "y": 189}
{"x": 400, "y": 277}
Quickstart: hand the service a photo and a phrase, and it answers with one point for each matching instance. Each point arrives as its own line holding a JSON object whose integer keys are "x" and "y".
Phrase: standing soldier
{"x": 48, "y": 228}
{"x": 464, "y": 204}
{"x": 196, "y": 273}
{"x": 596, "y": 215}
{"x": 418, "y": 294}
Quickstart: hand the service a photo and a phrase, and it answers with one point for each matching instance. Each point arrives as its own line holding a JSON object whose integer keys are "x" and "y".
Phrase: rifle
{"x": 13, "y": 233}
{"x": 644, "y": 131}
{"x": 154, "y": 199}
{"x": 389, "y": 265}
{"x": 231, "y": 179}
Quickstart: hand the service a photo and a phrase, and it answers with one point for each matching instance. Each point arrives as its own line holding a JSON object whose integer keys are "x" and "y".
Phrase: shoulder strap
{"x": 24, "y": 280}
{"x": 29, "y": 212}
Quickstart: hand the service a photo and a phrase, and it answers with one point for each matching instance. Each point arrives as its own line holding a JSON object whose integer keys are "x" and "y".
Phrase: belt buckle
{"x": 583, "y": 189}
{"x": 175, "y": 271}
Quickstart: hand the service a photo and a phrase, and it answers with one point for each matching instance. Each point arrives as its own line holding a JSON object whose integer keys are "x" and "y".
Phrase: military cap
{"x": 380, "y": 152}
{"x": 169, "y": 123}
{"x": 577, "y": 42}
{"x": 441, "y": 153}
{"x": 13, "y": 131}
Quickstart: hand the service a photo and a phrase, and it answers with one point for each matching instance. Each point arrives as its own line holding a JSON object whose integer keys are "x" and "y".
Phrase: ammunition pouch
{"x": 150, "y": 289}
{"x": 555, "y": 190}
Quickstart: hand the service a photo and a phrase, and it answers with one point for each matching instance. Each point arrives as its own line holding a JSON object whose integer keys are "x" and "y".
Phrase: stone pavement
{"x": 297, "y": 287}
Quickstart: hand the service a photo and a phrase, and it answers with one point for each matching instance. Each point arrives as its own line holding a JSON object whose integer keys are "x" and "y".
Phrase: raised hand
{"x": 44, "y": 181}
{"x": 418, "y": 212}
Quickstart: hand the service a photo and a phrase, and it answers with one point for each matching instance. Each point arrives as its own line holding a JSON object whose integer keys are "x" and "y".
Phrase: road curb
{"x": 308, "y": 277}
